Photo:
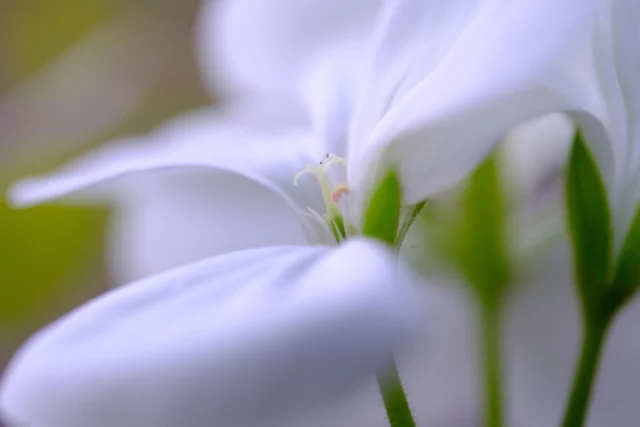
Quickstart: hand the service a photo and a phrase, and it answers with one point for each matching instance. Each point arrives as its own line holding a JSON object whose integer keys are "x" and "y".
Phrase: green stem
{"x": 491, "y": 361}
{"x": 402, "y": 233}
{"x": 395, "y": 400}
{"x": 584, "y": 378}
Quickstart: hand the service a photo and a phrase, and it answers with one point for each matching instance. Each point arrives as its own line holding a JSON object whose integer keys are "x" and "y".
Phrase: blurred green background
{"x": 74, "y": 74}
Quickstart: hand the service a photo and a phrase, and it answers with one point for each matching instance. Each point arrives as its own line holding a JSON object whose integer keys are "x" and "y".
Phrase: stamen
{"x": 338, "y": 192}
{"x": 332, "y": 159}
{"x": 337, "y": 215}
{"x": 309, "y": 170}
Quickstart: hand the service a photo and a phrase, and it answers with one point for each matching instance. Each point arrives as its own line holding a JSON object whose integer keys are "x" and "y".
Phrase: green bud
{"x": 480, "y": 243}
{"x": 589, "y": 223}
{"x": 336, "y": 225}
{"x": 382, "y": 215}
{"x": 627, "y": 277}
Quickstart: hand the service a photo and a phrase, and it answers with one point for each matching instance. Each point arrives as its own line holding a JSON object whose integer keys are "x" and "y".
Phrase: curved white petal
{"x": 266, "y": 144}
{"x": 263, "y": 45}
{"x": 536, "y": 152}
{"x": 599, "y": 81}
{"x": 626, "y": 38}
{"x": 269, "y": 146}
{"x": 488, "y": 81}
{"x": 616, "y": 47}
{"x": 328, "y": 91}
{"x": 409, "y": 40}
{"x": 250, "y": 338}
{"x": 167, "y": 221}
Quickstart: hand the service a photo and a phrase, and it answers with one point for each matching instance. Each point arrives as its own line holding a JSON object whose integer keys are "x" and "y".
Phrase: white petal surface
{"x": 267, "y": 144}
{"x": 409, "y": 40}
{"x": 536, "y": 153}
{"x": 487, "y": 82}
{"x": 167, "y": 221}
{"x": 244, "y": 44}
{"x": 328, "y": 91}
{"x": 626, "y": 40}
{"x": 250, "y": 338}
{"x": 616, "y": 46}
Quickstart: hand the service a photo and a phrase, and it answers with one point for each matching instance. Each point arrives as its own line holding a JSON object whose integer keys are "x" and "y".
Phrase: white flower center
{"x": 335, "y": 193}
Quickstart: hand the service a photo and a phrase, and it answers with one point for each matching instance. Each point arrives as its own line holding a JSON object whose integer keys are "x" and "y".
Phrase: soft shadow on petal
{"x": 488, "y": 82}
{"x": 249, "y": 45}
{"x": 231, "y": 138}
{"x": 536, "y": 154}
{"x": 626, "y": 38}
{"x": 328, "y": 91}
{"x": 408, "y": 41}
{"x": 173, "y": 219}
{"x": 250, "y": 338}
{"x": 617, "y": 47}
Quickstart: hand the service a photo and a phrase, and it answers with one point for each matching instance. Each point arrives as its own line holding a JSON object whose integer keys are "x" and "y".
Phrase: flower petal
{"x": 166, "y": 221}
{"x": 627, "y": 58}
{"x": 250, "y": 338}
{"x": 597, "y": 79}
{"x": 487, "y": 82}
{"x": 264, "y": 143}
{"x": 231, "y": 139}
{"x": 536, "y": 154}
{"x": 616, "y": 48}
{"x": 328, "y": 91}
{"x": 244, "y": 44}
{"x": 408, "y": 41}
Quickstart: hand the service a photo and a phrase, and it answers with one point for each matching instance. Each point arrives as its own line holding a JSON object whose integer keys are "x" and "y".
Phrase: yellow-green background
{"x": 52, "y": 257}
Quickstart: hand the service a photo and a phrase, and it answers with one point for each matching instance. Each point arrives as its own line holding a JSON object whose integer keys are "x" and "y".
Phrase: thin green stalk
{"x": 592, "y": 343}
{"x": 491, "y": 363}
{"x": 390, "y": 384}
{"x": 395, "y": 400}
{"x": 404, "y": 229}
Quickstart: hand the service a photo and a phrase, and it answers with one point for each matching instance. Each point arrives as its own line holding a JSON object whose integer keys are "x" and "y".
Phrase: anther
{"x": 338, "y": 192}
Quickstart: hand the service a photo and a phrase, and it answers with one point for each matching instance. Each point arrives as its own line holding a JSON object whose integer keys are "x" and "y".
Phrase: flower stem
{"x": 584, "y": 378}
{"x": 406, "y": 225}
{"x": 395, "y": 400}
{"x": 491, "y": 362}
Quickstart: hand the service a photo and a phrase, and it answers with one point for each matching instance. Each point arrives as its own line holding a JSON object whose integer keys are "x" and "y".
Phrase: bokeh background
{"x": 77, "y": 73}
{"x": 74, "y": 74}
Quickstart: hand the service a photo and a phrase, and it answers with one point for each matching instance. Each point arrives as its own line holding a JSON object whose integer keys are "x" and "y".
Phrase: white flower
{"x": 256, "y": 337}
{"x": 605, "y": 73}
{"x": 596, "y": 83}
{"x": 608, "y": 111}
{"x": 536, "y": 154}
{"x": 439, "y": 83}
{"x": 426, "y": 87}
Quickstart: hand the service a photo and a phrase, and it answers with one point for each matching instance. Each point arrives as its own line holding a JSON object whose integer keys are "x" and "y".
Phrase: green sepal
{"x": 336, "y": 225}
{"x": 382, "y": 215}
{"x": 627, "y": 277}
{"x": 589, "y": 221}
{"x": 480, "y": 243}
